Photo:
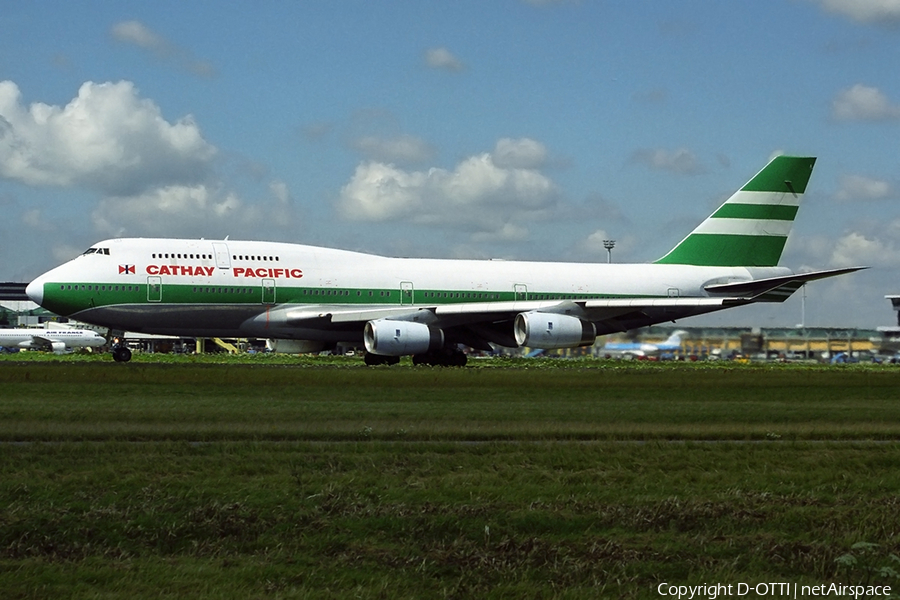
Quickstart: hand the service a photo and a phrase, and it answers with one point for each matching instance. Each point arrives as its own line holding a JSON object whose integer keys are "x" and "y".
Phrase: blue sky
{"x": 528, "y": 129}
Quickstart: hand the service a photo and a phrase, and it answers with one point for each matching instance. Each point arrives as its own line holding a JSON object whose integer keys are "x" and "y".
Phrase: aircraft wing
{"x": 491, "y": 311}
{"x": 477, "y": 323}
{"x": 56, "y": 345}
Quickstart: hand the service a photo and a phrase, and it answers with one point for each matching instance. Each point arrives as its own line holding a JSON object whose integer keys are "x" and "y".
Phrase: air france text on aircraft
{"x": 200, "y": 271}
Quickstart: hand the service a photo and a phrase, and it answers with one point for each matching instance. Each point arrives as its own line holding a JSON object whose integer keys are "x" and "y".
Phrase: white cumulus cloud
{"x": 863, "y": 103}
{"x": 399, "y": 149}
{"x": 179, "y": 210}
{"x": 878, "y": 12}
{"x": 165, "y": 211}
{"x": 477, "y": 195}
{"x": 861, "y": 249}
{"x": 106, "y": 139}
{"x": 442, "y": 59}
{"x": 859, "y": 187}
{"x": 522, "y": 153}
{"x": 138, "y": 34}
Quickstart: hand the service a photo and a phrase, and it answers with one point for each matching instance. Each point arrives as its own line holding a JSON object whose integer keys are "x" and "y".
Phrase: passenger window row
{"x": 256, "y": 258}
{"x": 99, "y": 288}
{"x": 181, "y": 255}
{"x": 466, "y": 295}
{"x": 223, "y": 290}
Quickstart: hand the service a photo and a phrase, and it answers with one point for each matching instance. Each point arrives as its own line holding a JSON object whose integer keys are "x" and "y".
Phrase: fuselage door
{"x": 268, "y": 291}
{"x": 406, "y": 292}
{"x": 154, "y": 289}
{"x": 223, "y": 258}
{"x": 672, "y": 293}
{"x": 521, "y": 292}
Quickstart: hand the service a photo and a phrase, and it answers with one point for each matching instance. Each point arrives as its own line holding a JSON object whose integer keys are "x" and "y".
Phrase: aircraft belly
{"x": 216, "y": 321}
{"x": 354, "y": 334}
{"x": 174, "y": 319}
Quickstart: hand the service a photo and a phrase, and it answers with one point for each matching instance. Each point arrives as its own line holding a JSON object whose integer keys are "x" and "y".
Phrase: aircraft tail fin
{"x": 675, "y": 338}
{"x": 750, "y": 229}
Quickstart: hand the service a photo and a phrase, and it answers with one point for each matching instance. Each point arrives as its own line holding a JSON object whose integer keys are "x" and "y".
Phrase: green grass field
{"x": 325, "y": 479}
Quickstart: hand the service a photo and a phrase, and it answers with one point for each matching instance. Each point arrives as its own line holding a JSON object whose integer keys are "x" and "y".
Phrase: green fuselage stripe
{"x": 756, "y": 211}
{"x": 69, "y": 298}
{"x": 725, "y": 250}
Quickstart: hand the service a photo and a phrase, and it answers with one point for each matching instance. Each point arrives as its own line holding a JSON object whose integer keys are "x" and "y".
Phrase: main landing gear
{"x": 379, "y": 359}
{"x": 121, "y": 353}
{"x": 447, "y": 357}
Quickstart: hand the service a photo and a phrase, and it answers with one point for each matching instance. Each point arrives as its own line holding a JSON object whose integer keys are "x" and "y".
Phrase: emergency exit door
{"x": 268, "y": 291}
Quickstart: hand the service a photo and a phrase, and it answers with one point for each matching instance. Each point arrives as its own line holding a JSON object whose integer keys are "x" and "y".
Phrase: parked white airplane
{"x": 58, "y": 339}
{"x": 427, "y": 307}
{"x": 643, "y": 349}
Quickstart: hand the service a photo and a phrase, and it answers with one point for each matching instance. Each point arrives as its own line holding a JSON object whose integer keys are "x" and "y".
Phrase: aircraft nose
{"x": 35, "y": 291}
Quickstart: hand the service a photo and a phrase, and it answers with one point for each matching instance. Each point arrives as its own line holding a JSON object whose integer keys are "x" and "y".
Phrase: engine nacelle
{"x": 58, "y": 347}
{"x": 549, "y": 330}
{"x": 294, "y": 346}
{"x": 399, "y": 338}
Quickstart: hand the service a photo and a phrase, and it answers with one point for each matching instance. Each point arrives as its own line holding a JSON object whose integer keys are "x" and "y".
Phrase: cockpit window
{"x": 104, "y": 251}
{"x": 89, "y": 251}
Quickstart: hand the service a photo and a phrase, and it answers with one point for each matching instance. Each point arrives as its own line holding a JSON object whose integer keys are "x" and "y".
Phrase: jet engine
{"x": 549, "y": 330}
{"x": 399, "y": 338}
{"x": 294, "y": 346}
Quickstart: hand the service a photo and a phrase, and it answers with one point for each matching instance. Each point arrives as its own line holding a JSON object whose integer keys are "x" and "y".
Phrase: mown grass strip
{"x": 316, "y": 481}
{"x": 202, "y": 402}
{"x": 324, "y": 520}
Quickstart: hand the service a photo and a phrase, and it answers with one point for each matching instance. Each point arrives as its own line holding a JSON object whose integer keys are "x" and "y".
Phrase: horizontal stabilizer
{"x": 773, "y": 289}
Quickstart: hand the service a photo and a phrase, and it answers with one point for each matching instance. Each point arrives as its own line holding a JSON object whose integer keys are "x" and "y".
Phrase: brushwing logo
{"x": 126, "y": 270}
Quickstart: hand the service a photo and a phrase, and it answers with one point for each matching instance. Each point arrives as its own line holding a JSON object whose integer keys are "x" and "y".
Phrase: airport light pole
{"x": 609, "y": 245}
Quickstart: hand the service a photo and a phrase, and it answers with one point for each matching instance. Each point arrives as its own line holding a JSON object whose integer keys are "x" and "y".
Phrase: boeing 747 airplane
{"x": 58, "y": 339}
{"x": 317, "y": 297}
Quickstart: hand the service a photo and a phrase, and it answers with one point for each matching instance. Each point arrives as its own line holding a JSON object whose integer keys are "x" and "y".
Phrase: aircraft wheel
{"x": 378, "y": 359}
{"x": 443, "y": 358}
{"x": 121, "y": 354}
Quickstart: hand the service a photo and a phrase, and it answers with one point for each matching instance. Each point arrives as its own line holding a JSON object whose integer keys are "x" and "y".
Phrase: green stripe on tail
{"x": 750, "y": 229}
{"x": 756, "y": 211}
